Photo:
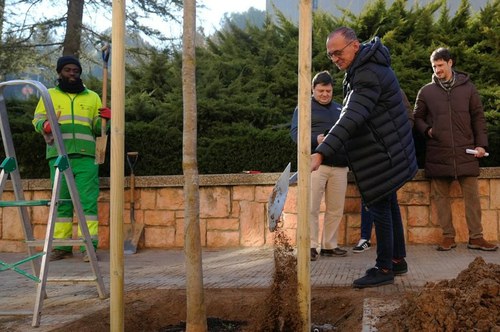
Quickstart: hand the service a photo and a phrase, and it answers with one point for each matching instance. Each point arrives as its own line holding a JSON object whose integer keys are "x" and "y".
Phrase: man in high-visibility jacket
{"x": 80, "y": 112}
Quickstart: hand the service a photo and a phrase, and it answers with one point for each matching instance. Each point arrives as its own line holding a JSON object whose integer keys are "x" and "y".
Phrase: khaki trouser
{"x": 330, "y": 182}
{"x": 440, "y": 196}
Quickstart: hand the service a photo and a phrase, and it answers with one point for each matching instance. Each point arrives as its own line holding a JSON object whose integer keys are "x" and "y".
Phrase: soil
{"x": 471, "y": 302}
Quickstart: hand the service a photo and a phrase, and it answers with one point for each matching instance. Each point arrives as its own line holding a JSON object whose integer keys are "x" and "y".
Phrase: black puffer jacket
{"x": 373, "y": 126}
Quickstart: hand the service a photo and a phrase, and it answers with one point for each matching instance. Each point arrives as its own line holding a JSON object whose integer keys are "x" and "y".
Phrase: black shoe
{"x": 58, "y": 254}
{"x": 362, "y": 246}
{"x": 86, "y": 257}
{"x": 314, "y": 254}
{"x": 374, "y": 277}
{"x": 337, "y": 252}
{"x": 400, "y": 268}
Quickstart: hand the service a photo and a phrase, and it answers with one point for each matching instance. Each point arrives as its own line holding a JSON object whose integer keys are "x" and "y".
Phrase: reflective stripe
{"x": 63, "y": 219}
{"x": 84, "y": 137}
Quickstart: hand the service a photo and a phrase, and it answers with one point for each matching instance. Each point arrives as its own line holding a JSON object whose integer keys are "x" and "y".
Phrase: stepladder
{"x": 39, "y": 260}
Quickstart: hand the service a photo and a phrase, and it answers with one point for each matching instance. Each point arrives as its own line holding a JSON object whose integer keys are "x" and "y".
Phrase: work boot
{"x": 374, "y": 277}
{"x": 399, "y": 267}
{"x": 58, "y": 254}
{"x": 86, "y": 257}
{"x": 337, "y": 252}
{"x": 481, "y": 244}
{"x": 447, "y": 244}
{"x": 314, "y": 254}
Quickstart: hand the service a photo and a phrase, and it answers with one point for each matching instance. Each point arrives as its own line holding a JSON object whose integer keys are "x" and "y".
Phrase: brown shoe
{"x": 481, "y": 244}
{"x": 58, "y": 254}
{"x": 448, "y": 243}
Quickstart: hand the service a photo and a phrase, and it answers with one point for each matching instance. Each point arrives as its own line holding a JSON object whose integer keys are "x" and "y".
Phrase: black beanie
{"x": 66, "y": 60}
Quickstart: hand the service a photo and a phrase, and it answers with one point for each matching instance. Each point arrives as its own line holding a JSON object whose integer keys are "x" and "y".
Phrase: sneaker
{"x": 58, "y": 254}
{"x": 337, "y": 252}
{"x": 400, "y": 268}
{"x": 86, "y": 257}
{"x": 362, "y": 246}
{"x": 481, "y": 244}
{"x": 447, "y": 244}
{"x": 314, "y": 254}
{"x": 374, "y": 277}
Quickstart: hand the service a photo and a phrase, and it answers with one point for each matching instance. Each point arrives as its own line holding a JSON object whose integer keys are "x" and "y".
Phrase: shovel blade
{"x": 100, "y": 149}
{"x": 277, "y": 199}
{"x": 132, "y": 234}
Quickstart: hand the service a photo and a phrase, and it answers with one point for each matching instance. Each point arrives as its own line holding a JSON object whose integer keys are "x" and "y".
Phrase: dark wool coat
{"x": 457, "y": 120}
{"x": 373, "y": 126}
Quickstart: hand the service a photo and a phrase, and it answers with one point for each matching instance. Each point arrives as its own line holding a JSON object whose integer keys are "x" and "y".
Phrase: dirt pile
{"x": 470, "y": 302}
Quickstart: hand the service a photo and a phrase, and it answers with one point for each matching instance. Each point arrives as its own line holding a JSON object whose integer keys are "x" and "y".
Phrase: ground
{"x": 470, "y": 302}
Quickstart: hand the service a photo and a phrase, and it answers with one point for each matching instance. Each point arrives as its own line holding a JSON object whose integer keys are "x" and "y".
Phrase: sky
{"x": 210, "y": 18}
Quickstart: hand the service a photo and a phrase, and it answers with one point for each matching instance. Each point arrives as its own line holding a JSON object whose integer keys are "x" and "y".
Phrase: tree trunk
{"x": 73, "y": 37}
{"x": 196, "y": 320}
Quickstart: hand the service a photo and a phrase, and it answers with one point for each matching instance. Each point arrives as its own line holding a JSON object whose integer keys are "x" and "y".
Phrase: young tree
{"x": 196, "y": 320}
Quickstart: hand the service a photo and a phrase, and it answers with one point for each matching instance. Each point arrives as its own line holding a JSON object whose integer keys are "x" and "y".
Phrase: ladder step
{"x": 39, "y": 202}
{"x": 59, "y": 242}
{"x": 16, "y": 313}
{"x": 72, "y": 279}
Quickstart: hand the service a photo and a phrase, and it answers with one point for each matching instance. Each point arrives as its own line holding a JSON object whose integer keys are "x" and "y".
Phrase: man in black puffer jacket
{"x": 377, "y": 135}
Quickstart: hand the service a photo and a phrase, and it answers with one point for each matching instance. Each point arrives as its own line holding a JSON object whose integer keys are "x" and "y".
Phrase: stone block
{"x": 291, "y": 201}
{"x": 417, "y": 216}
{"x": 494, "y": 194}
{"x": 352, "y": 205}
{"x": 424, "y": 235}
{"x": 223, "y": 224}
{"x": 222, "y": 239}
{"x": 235, "y": 209}
{"x": 414, "y": 193}
{"x": 170, "y": 198}
{"x": 243, "y": 193}
{"x": 12, "y": 225}
{"x": 262, "y": 193}
{"x": 103, "y": 236}
{"x": 159, "y": 217}
{"x": 148, "y": 199}
{"x": 252, "y": 223}
{"x": 214, "y": 202}
{"x": 159, "y": 237}
{"x": 491, "y": 224}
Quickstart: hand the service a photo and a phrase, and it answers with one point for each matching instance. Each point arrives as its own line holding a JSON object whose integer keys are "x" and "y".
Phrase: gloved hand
{"x": 105, "y": 113}
{"x": 46, "y": 127}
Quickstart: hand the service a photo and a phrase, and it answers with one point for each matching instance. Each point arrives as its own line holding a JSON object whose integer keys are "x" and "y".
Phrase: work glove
{"x": 46, "y": 127}
{"x": 105, "y": 113}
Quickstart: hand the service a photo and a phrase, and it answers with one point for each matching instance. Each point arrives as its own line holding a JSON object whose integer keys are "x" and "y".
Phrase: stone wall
{"x": 233, "y": 211}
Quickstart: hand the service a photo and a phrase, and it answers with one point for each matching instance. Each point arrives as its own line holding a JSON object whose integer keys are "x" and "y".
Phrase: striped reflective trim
{"x": 40, "y": 116}
{"x": 82, "y": 119}
{"x": 82, "y": 137}
{"x": 63, "y": 219}
{"x": 91, "y": 218}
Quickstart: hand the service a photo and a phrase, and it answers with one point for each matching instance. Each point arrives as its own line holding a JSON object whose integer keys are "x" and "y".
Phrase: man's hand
{"x": 480, "y": 152}
{"x": 320, "y": 138}
{"x": 316, "y": 160}
{"x": 46, "y": 127}
{"x": 105, "y": 113}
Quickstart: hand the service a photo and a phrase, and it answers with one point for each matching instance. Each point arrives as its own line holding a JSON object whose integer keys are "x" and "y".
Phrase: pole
{"x": 117, "y": 310}
{"x": 304, "y": 163}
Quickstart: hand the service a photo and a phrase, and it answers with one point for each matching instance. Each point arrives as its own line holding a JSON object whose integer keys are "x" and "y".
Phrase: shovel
{"x": 132, "y": 231}
{"x": 100, "y": 144}
{"x": 278, "y": 197}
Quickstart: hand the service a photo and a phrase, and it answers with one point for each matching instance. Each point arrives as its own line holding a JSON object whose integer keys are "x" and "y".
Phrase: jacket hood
{"x": 373, "y": 51}
{"x": 460, "y": 78}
